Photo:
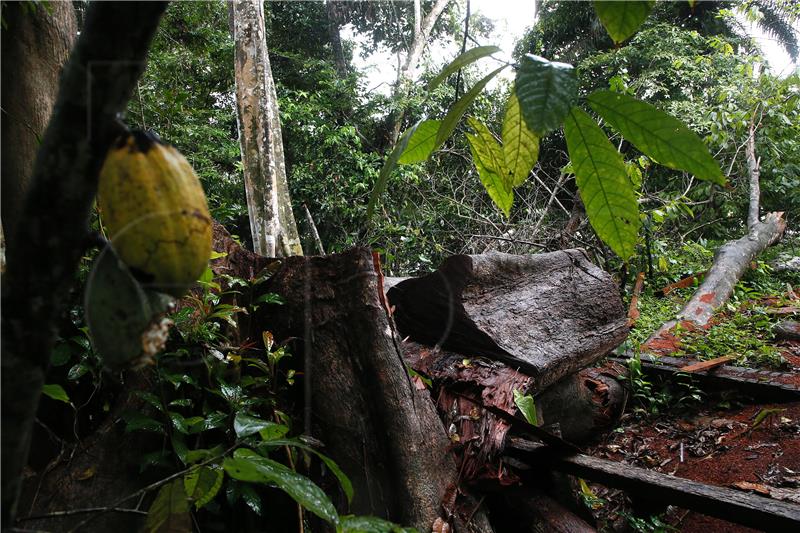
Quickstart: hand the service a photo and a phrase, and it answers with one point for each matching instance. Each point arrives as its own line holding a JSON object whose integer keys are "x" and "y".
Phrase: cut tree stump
{"x": 548, "y": 315}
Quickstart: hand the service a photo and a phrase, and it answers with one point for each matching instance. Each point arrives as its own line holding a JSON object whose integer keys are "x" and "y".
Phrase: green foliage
{"x": 465, "y": 59}
{"x": 546, "y": 91}
{"x": 602, "y": 180}
{"x": 56, "y": 392}
{"x": 422, "y": 142}
{"x": 520, "y": 144}
{"x": 489, "y": 160}
{"x": 621, "y": 19}
{"x": 527, "y": 406}
{"x": 658, "y": 135}
{"x": 169, "y": 513}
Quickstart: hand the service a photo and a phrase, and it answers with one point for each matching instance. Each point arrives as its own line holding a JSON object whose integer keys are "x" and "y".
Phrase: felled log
{"x": 531, "y": 510}
{"x": 381, "y": 430}
{"x": 548, "y": 315}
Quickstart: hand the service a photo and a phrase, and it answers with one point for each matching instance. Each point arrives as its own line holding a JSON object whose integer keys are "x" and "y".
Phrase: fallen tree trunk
{"x": 548, "y": 315}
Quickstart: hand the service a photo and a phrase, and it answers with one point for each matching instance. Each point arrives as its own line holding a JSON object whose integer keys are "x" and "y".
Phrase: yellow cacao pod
{"x": 155, "y": 212}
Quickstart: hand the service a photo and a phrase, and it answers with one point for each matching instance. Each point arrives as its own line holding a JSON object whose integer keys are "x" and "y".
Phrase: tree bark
{"x": 37, "y": 40}
{"x": 272, "y": 221}
{"x": 97, "y": 83}
{"x": 548, "y": 315}
{"x": 335, "y": 37}
{"x": 383, "y": 432}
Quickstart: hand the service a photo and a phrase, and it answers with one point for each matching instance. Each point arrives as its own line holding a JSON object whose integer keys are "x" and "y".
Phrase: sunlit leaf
{"x": 520, "y": 144}
{"x": 169, "y": 512}
{"x": 546, "y": 91}
{"x": 202, "y": 484}
{"x": 656, "y": 134}
{"x": 246, "y": 465}
{"x": 602, "y": 180}
{"x": 55, "y": 392}
{"x": 499, "y": 191}
{"x": 388, "y": 168}
{"x": 526, "y": 406}
{"x": 488, "y": 149}
{"x": 422, "y": 143}
{"x": 460, "y": 107}
{"x": 621, "y": 18}
{"x": 468, "y": 57}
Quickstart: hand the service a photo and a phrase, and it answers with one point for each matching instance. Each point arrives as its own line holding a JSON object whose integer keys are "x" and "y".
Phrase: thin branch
{"x": 511, "y": 240}
{"x": 71, "y": 512}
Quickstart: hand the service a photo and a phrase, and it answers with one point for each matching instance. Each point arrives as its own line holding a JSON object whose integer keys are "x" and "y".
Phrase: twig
{"x": 70, "y": 512}
{"x": 463, "y": 49}
{"x": 314, "y": 232}
{"x": 515, "y": 241}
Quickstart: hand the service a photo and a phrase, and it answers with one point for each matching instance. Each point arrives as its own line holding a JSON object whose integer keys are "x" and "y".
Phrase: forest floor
{"x": 720, "y": 438}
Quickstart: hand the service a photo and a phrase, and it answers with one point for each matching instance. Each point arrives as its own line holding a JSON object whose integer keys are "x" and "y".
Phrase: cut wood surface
{"x": 707, "y": 365}
{"x": 547, "y": 315}
{"x": 751, "y": 510}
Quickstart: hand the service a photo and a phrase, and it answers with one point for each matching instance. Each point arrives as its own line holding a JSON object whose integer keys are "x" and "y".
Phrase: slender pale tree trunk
{"x": 272, "y": 222}
{"x": 36, "y": 44}
{"x": 335, "y": 38}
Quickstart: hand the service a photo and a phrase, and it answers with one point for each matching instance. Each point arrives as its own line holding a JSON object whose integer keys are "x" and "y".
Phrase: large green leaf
{"x": 169, "y": 512}
{"x": 344, "y": 481}
{"x": 247, "y": 465}
{"x": 246, "y": 425}
{"x": 621, "y": 19}
{"x": 603, "y": 183}
{"x": 371, "y": 524}
{"x": 489, "y": 150}
{"x": 388, "y": 167}
{"x": 527, "y": 406}
{"x": 520, "y": 144}
{"x": 421, "y": 144}
{"x": 546, "y": 91}
{"x": 497, "y": 187}
{"x": 459, "y": 108}
{"x": 470, "y": 56}
{"x": 202, "y": 484}
{"x": 55, "y": 392}
{"x": 656, "y": 134}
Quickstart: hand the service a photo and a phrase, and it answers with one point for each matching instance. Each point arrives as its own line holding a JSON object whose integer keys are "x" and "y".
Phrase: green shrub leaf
{"x": 603, "y": 183}
{"x": 422, "y": 143}
{"x": 371, "y": 524}
{"x": 489, "y": 150}
{"x": 468, "y": 57}
{"x": 55, "y": 392}
{"x": 459, "y": 108}
{"x": 169, "y": 512}
{"x": 247, "y": 465}
{"x": 526, "y": 406}
{"x": 622, "y": 18}
{"x": 202, "y": 484}
{"x": 657, "y": 134}
{"x": 546, "y": 91}
{"x": 520, "y": 144}
{"x": 495, "y": 184}
{"x": 388, "y": 168}
{"x": 246, "y": 425}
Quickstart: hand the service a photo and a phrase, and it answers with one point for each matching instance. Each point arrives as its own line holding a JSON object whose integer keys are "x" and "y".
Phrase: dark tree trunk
{"x": 36, "y": 43}
{"x": 334, "y": 35}
{"x": 380, "y": 429}
{"x": 548, "y": 315}
{"x": 42, "y": 259}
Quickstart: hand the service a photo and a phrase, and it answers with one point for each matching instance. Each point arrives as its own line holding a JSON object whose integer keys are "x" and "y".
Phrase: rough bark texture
{"x": 548, "y": 315}
{"x": 97, "y": 83}
{"x": 36, "y": 43}
{"x": 334, "y": 20}
{"x": 382, "y": 431}
{"x": 272, "y": 222}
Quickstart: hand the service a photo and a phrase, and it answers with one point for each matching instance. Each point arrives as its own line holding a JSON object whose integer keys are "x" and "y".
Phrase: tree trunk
{"x": 37, "y": 40}
{"x": 272, "y": 222}
{"x": 731, "y": 260}
{"x": 339, "y": 59}
{"x": 548, "y": 315}
{"x": 381, "y": 430}
{"x": 97, "y": 83}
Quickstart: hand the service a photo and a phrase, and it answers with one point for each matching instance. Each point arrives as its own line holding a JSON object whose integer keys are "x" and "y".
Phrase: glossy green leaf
{"x": 169, "y": 512}
{"x": 489, "y": 150}
{"x": 455, "y": 113}
{"x": 621, "y": 18}
{"x": 657, "y": 135}
{"x": 421, "y": 144}
{"x": 273, "y": 431}
{"x": 520, "y": 144}
{"x": 499, "y": 191}
{"x": 546, "y": 91}
{"x": 344, "y": 481}
{"x": 202, "y": 484}
{"x": 526, "y": 406}
{"x": 388, "y": 168}
{"x": 55, "y": 392}
{"x": 136, "y": 421}
{"x": 246, "y": 425}
{"x": 247, "y": 465}
{"x": 371, "y": 524}
{"x": 468, "y": 57}
{"x": 603, "y": 182}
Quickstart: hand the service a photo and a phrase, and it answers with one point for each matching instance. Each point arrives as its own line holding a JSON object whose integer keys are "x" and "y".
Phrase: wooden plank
{"x": 759, "y": 384}
{"x": 707, "y": 365}
{"x": 750, "y": 510}
{"x": 633, "y": 309}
